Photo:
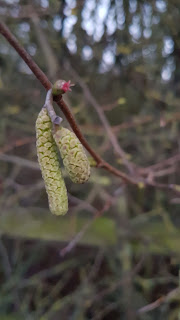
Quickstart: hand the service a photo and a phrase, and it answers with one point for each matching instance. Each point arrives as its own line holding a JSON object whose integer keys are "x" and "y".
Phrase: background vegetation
{"x": 116, "y": 254}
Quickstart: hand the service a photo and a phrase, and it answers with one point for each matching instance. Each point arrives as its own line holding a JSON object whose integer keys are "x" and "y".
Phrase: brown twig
{"x": 51, "y": 62}
{"x": 167, "y": 162}
{"x": 71, "y": 245}
{"x": 126, "y": 277}
{"x": 23, "y": 12}
{"x": 135, "y": 122}
{"x": 151, "y": 306}
{"x": 17, "y": 143}
{"x": 40, "y": 75}
{"x": 159, "y": 301}
{"x": 92, "y": 100}
{"x": 19, "y": 161}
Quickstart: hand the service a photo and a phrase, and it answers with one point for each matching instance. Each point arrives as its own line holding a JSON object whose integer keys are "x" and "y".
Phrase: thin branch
{"x": 124, "y": 279}
{"x": 23, "y": 12}
{"x": 154, "y": 305}
{"x": 107, "y": 309}
{"x": 17, "y": 143}
{"x": 164, "y": 172}
{"x": 40, "y": 75}
{"x": 51, "y": 62}
{"x": 134, "y": 123}
{"x": 81, "y": 203}
{"x": 167, "y": 162}
{"x": 50, "y": 58}
{"x": 19, "y": 161}
{"x": 72, "y": 244}
{"x": 91, "y": 99}
{"x": 5, "y": 260}
{"x": 101, "y": 163}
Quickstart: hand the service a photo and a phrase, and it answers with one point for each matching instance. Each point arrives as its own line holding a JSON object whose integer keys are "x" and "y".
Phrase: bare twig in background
{"x": 14, "y": 11}
{"x": 52, "y": 64}
{"x": 135, "y": 122}
{"x": 91, "y": 99}
{"x": 20, "y": 161}
{"x": 51, "y": 60}
{"x": 24, "y": 192}
{"x": 110, "y": 106}
{"x": 5, "y": 259}
{"x": 164, "y": 172}
{"x": 96, "y": 266}
{"x": 167, "y": 162}
{"x": 97, "y": 213}
{"x": 81, "y": 203}
{"x": 17, "y": 143}
{"x": 40, "y": 75}
{"x": 172, "y": 294}
{"x": 110, "y": 307}
{"x": 127, "y": 277}
{"x": 71, "y": 245}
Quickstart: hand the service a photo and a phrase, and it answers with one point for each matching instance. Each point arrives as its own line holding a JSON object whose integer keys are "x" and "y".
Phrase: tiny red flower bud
{"x": 61, "y": 87}
{"x": 66, "y": 86}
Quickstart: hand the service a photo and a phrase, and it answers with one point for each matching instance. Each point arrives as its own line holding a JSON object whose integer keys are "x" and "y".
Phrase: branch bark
{"x": 40, "y": 75}
{"x": 101, "y": 163}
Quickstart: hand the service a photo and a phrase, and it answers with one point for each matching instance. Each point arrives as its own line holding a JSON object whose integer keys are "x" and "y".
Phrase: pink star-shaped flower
{"x": 66, "y": 86}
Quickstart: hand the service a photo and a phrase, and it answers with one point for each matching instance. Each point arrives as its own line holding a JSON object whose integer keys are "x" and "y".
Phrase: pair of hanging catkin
{"x": 73, "y": 155}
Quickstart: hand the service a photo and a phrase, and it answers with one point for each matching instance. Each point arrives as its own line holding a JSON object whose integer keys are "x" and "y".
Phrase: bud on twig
{"x": 61, "y": 87}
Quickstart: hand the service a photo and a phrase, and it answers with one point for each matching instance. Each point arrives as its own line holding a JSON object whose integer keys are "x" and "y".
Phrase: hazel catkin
{"x": 74, "y": 157}
{"x": 49, "y": 164}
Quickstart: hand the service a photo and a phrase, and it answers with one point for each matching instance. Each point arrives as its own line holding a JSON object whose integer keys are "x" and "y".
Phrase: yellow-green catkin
{"x": 49, "y": 164}
{"x": 74, "y": 157}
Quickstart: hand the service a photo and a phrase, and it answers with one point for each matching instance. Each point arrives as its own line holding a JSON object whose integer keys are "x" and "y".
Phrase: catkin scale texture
{"x": 49, "y": 164}
{"x": 74, "y": 157}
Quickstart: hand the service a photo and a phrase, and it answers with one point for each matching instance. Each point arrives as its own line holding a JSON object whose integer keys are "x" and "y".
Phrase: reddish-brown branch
{"x": 170, "y": 296}
{"x": 134, "y": 123}
{"x": 167, "y": 162}
{"x": 47, "y": 85}
{"x": 17, "y": 143}
{"x": 40, "y": 75}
